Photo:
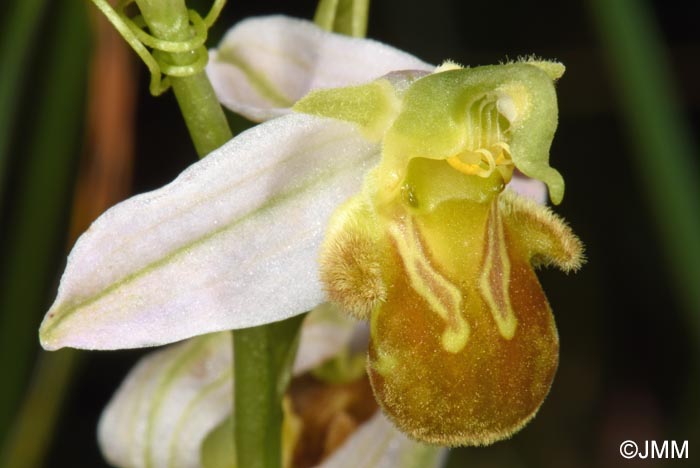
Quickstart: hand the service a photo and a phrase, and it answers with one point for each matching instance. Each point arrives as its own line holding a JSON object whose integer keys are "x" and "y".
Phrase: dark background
{"x": 628, "y": 366}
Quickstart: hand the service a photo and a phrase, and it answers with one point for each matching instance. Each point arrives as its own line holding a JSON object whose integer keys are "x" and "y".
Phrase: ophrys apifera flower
{"x": 440, "y": 258}
{"x": 423, "y": 240}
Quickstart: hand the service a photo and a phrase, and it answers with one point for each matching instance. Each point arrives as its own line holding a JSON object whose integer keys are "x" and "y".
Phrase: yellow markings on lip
{"x": 443, "y": 297}
{"x": 495, "y": 275}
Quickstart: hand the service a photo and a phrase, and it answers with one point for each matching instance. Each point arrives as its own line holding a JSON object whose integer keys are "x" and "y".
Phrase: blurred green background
{"x": 626, "y": 144}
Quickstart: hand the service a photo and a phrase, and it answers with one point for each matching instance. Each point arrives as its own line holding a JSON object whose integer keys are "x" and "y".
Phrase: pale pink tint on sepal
{"x": 231, "y": 243}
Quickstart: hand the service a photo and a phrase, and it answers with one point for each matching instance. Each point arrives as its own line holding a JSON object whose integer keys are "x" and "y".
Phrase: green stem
{"x": 325, "y": 14}
{"x": 343, "y": 16}
{"x": 263, "y": 359}
{"x": 205, "y": 120}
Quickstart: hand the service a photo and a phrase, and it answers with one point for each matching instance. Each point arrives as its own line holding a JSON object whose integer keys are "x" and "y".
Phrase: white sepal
{"x": 168, "y": 404}
{"x": 231, "y": 243}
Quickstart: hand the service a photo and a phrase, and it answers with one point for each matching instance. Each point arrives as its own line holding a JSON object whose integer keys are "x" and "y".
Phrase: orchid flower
{"x": 174, "y": 404}
{"x": 396, "y": 172}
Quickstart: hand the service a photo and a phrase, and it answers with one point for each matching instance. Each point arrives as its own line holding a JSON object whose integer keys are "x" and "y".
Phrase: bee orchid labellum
{"x": 440, "y": 258}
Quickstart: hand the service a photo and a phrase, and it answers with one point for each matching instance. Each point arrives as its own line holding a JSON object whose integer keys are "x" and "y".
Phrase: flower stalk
{"x": 263, "y": 359}
{"x": 169, "y": 20}
{"x": 343, "y": 16}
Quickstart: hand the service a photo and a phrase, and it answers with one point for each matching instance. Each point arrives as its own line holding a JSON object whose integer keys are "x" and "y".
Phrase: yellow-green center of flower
{"x": 486, "y": 144}
{"x": 483, "y": 161}
{"x": 463, "y": 344}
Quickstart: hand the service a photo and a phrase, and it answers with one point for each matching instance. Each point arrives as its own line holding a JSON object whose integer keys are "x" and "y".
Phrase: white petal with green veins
{"x": 167, "y": 405}
{"x": 175, "y": 397}
{"x": 231, "y": 243}
{"x": 264, "y": 65}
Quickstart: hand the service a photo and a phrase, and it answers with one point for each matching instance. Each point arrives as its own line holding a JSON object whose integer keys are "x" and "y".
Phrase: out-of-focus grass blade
{"x": 35, "y": 230}
{"x": 17, "y": 35}
{"x": 104, "y": 179}
{"x": 26, "y": 444}
{"x": 666, "y": 158}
